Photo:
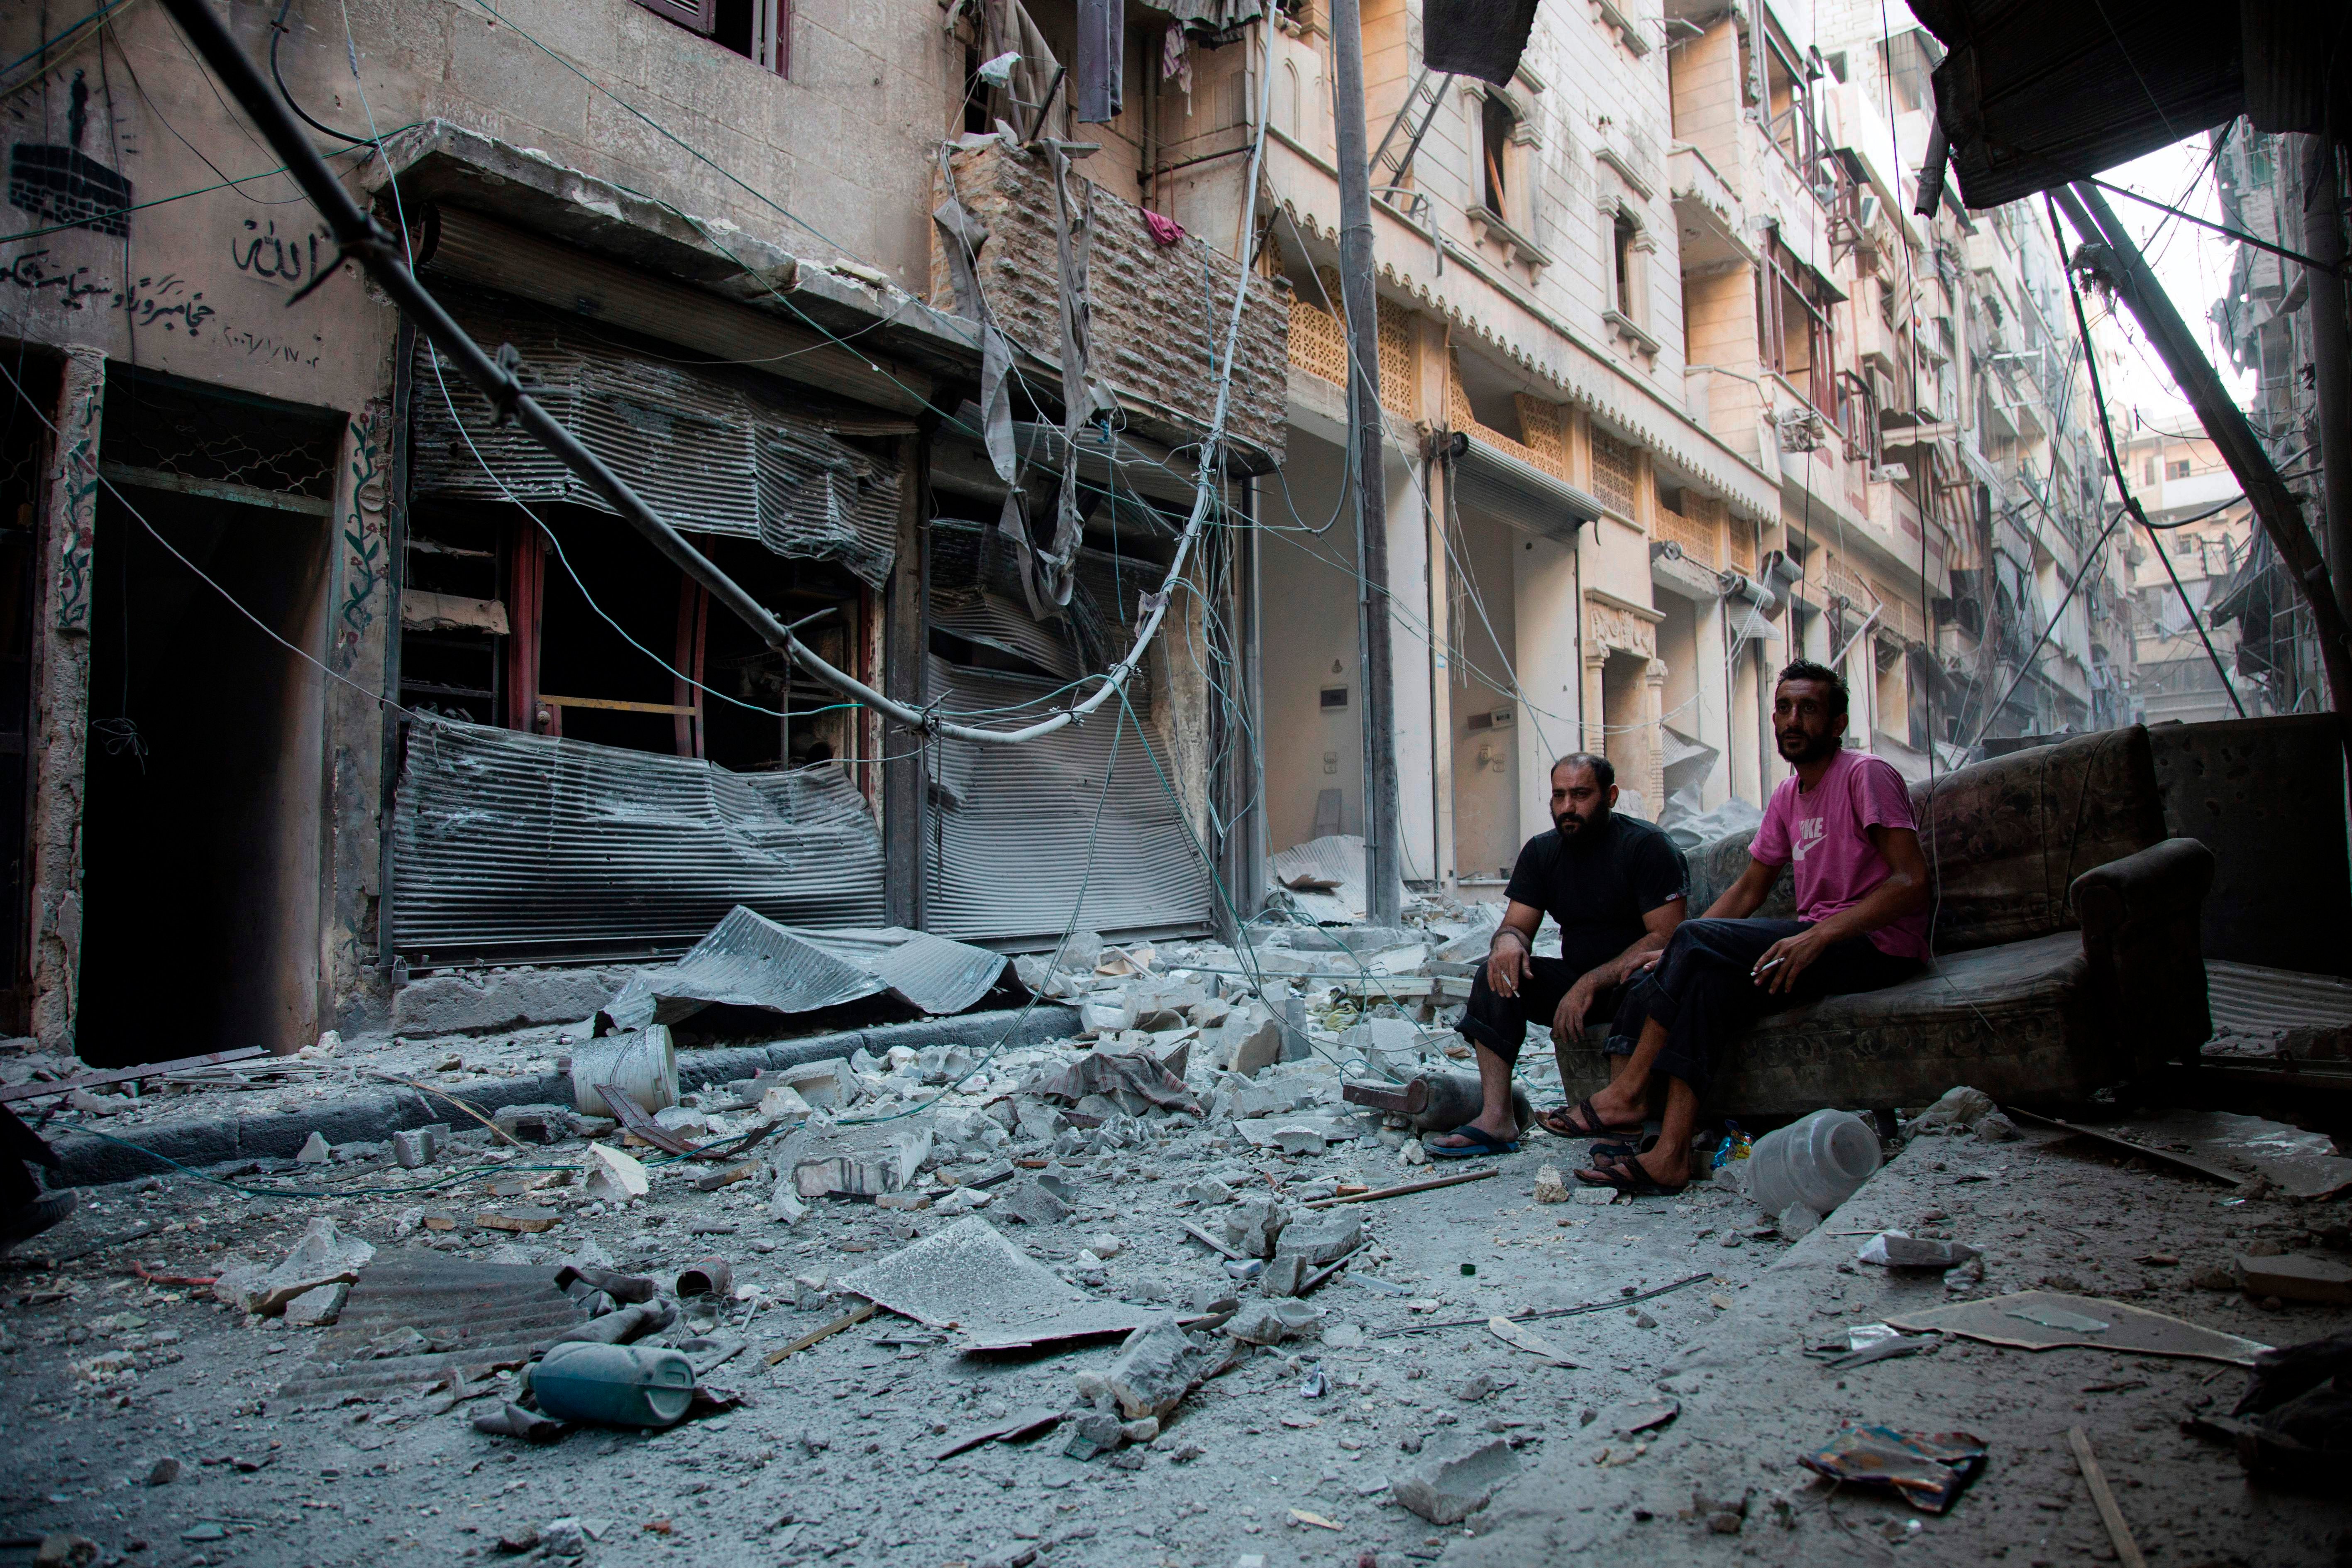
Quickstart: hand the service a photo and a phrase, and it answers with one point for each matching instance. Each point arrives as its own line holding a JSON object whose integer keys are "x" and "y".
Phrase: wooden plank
{"x": 855, "y": 1315}
{"x": 124, "y": 1074}
{"x": 615, "y": 704}
{"x": 2126, "y": 1549}
{"x": 1378, "y": 1193}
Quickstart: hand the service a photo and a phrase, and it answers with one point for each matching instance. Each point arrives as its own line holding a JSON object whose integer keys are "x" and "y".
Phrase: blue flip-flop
{"x": 1487, "y": 1143}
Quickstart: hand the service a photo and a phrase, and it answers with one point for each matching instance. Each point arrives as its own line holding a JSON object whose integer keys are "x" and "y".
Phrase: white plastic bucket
{"x": 1818, "y": 1161}
{"x": 642, "y": 1064}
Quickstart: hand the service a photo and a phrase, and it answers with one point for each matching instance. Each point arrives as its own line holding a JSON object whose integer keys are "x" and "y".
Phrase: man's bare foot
{"x": 1501, "y": 1133}
{"x": 1592, "y": 1118}
{"x": 1659, "y": 1168}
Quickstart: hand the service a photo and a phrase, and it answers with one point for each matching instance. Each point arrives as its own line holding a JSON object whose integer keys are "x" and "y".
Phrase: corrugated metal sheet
{"x": 1337, "y": 859}
{"x": 471, "y": 1315}
{"x": 1522, "y": 494}
{"x": 509, "y": 847}
{"x": 712, "y": 455}
{"x": 2251, "y": 999}
{"x": 1008, "y": 857}
{"x": 750, "y": 961}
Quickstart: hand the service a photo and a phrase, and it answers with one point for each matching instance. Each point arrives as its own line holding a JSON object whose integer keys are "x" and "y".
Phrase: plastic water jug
{"x": 613, "y": 1386}
{"x": 1818, "y": 1161}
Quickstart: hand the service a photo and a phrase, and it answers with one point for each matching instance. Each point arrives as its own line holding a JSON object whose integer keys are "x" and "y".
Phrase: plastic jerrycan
{"x": 1818, "y": 1161}
{"x": 613, "y": 1386}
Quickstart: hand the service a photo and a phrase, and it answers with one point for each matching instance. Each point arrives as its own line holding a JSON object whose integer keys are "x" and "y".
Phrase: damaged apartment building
{"x": 328, "y": 679}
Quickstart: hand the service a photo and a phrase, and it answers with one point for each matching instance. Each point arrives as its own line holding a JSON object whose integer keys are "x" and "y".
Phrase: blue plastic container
{"x": 613, "y": 1386}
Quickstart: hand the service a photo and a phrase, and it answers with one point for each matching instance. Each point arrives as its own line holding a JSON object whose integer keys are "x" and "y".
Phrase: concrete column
{"x": 62, "y": 696}
{"x": 1418, "y": 739}
{"x": 1544, "y": 594}
{"x": 1439, "y": 479}
{"x": 1653, "y": 742}
{"x": 1713, "y": 725}
{"x": 1594, "y": 735}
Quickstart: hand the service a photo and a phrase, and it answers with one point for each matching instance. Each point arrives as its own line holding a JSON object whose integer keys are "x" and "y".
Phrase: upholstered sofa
{"x": 2065, "y": 930}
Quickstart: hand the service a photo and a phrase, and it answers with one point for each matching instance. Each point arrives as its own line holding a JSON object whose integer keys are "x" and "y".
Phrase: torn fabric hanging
{"x": 1483, "y": 38}
{"x": 509, "y": 847}
{"x": 711, "y": 452}
{"x": 961, "y": 235}
{"x": 1098, "y": 78}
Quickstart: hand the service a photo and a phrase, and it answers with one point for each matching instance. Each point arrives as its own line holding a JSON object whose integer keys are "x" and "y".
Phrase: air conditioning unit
{"x": 1867, "y": 214}
{"x": 1892, "y": 473}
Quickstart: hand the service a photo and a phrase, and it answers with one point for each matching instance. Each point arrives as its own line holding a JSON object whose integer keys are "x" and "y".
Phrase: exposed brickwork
{"x": 1159, "y": 312}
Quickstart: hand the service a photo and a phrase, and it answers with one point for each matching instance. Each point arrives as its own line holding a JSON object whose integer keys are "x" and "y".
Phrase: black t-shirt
{"x": 1599, "y": 885}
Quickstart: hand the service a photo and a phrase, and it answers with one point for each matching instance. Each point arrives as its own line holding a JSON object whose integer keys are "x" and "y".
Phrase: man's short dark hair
{"x": 1604, "y": 773}
{"x": 1822, "y": 674}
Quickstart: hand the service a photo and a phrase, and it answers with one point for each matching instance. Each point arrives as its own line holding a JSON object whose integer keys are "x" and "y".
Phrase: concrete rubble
{"x": 1088, "y": 1272}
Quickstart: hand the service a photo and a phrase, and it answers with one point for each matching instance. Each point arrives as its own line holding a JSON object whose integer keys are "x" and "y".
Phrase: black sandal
{"x": 1593, "y": 1126}
{"x": 1628, "y": 1177}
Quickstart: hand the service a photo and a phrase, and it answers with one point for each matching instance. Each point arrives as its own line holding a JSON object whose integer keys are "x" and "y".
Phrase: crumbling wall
{"x": 1159, "y": 312}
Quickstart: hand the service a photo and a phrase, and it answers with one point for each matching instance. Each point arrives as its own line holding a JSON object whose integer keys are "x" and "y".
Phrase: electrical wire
{"x": 278, "y": 32}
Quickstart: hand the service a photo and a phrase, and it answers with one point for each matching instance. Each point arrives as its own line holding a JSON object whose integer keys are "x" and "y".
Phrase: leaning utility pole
{"x": 2279, "y": 509}
{"x": 1382, "y": 868}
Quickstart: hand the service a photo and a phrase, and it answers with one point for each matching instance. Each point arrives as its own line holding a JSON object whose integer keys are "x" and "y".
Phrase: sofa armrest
{"x": 2140, "y": 918}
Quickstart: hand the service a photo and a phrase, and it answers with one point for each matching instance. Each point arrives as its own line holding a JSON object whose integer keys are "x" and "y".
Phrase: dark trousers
{"x": 1500, "y": 1023}
{"x": 1703, "y": 993}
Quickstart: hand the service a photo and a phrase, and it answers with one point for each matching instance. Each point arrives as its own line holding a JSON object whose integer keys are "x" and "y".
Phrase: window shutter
{"x": 702, "y": 15}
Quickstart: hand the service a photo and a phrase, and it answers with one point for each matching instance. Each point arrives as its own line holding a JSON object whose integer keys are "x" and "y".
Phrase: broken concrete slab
{"x": 2048, "y": 1319}
{"x": 968, "y": 1278}
{"x": 614, "y": 1176}
{"x": 2291, "y": 1276}
{"x": 323, "y": 1256}
{"x": 1450, "y": 1485}
{"x": 316, "y": 1308}
{"x": 1032, "y": 1203}
{"x": 1268, "y": 1323}
{"x": 1156, "y": 1367}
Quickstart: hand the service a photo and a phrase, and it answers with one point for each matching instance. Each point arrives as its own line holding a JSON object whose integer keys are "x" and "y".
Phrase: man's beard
{"x": 1571, "y": 826}
{"x": 1808, "y": 750}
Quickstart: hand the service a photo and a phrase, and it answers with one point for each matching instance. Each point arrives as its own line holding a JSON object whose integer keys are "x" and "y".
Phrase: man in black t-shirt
{"x": 1615, "y": 886}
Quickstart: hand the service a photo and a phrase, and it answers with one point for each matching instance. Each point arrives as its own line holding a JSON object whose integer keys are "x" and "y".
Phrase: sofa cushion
{"x": 2003, "y": 838}
{"x": 2013, "y": 1021}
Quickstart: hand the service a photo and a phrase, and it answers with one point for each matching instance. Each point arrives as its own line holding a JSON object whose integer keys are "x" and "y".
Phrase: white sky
{"x": 2194, "y": 265}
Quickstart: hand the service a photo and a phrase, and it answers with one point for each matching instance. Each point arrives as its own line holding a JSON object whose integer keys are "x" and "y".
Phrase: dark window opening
{"x": 1625, "y": 234}
{"x": 1496, "y": 126}
{"x": 759, "y": 30}
{"x": 1794, "y": 335}
{"x": 1335, "y": 697}
{"x": 2176, "y": 471}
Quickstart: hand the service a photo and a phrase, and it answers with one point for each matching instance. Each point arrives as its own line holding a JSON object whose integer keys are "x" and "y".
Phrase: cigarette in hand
{"x": 1769, "y": 964}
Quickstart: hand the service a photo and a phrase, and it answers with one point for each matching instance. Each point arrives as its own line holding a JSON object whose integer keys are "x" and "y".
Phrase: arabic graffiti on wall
{"x": 165, "y": 300}
{"x": 362, "y": 535}
{"x": 260, "y": 251}
{"x": 77, "y": 524}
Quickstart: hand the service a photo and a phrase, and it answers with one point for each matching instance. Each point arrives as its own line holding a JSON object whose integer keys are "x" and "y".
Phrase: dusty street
{"x": 1287, "y": 1456}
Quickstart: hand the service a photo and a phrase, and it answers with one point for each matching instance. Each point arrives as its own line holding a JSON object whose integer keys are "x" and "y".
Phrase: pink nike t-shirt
{"x": 1824, "y": 830}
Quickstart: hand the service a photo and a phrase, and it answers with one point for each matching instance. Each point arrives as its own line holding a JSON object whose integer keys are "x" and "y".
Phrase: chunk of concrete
{"x": 826, "y": 1085}
{"x": 314, "y": 1150}
{"x": 1552, "y": 1187}
{"x": 1323, "y": 1238}
{"x": 1156, "y": 1366}
{"x": 317, "y": 1309}
{"x": 1031, "y": 1203}
{"x": 613, "y": 1177}
{"x": 2295, "y": 1277}
{"x": 1254, "y": 1225}
{"x": 1447, "y": 1487}
{"x": 418, "y": 1146}
{"x": 1257, "y": 1050}
{"x": 323, "y": 1256}
{"x": 1268, "y": 1323}
{"x": 1298, "y": 1139}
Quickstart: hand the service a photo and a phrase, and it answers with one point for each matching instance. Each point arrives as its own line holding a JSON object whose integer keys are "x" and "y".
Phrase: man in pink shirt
{"x": 1844, "y": 821}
